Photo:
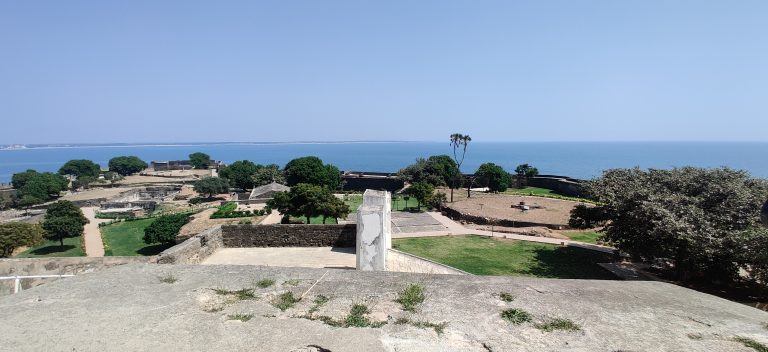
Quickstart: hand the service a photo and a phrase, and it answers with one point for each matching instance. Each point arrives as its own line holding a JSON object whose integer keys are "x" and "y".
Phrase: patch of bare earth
{"x": 504, "y": 207}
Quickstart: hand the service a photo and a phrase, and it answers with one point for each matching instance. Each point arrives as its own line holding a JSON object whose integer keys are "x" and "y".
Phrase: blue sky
{"x": 181, "y": 71}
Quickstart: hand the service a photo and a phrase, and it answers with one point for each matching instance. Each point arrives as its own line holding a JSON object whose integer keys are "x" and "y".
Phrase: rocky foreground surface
{"x": 233, "y": 308}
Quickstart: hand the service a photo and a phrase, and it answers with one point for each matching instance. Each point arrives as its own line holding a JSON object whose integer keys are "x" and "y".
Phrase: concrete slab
{"x": 405, "y": 222}
{"x": 128, "y": 308}
{"x": 306, "y": 257}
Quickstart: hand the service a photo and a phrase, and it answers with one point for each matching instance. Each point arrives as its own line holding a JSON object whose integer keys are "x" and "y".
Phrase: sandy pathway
{"x": 273, "y": 218}
{"x": 94, "y": 247}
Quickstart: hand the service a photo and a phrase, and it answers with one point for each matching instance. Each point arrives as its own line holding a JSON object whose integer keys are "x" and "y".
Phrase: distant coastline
{"x": 191, "y": 144}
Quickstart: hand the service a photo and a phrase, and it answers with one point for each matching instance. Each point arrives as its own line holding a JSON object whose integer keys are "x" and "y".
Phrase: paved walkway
{"x": 308, "y": 257}
{"x": 94, "y": 247}
{"x": 455, "y": 228}
{"x": 273, "y": 218}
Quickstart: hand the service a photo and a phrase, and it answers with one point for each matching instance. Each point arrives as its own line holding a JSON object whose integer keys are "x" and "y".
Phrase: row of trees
{"x": 442, "y": 171}
{"x": 245, "y": 174}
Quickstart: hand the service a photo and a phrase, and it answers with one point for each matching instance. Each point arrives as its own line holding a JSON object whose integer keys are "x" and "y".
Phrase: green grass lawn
{"x": 125, "y": 239}
{"x": 583, "y": 236}
{"x": 486, "y": 256}
{"x": 72, "y": 248}
{"x": 536, "y": 191}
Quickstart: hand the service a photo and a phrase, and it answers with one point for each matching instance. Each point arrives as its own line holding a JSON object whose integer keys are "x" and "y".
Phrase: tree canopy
{"x": 308, "y": 201}
{"x": 63, "y": 219}
{"x": 200, "y": 160}
{"x": 80, "y": 167}
{"x": 703, "y": 223}
{"x": 437, "y": 170}
{"x": 17, "y": 234}
{"x": 34, "y": 187}
{"x": 239, "y": 173}
{"x": 422, "y": 191}
{"x": 165, "y": 228}
{"x": 126, "y": 165}
{"x": 494, "y": 177}
{"x": 211, "y": 186}
{"x": 526, "y": 170}
{"x": 311, "y": 170}
{"x": 266, "y": 174}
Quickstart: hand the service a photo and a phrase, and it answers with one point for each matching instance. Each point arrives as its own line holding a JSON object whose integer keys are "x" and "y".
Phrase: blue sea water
{"x": 576, "y": 159}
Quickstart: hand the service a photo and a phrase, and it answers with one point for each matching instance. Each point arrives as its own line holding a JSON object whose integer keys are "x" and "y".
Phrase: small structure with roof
{"x": 264, "y": 193}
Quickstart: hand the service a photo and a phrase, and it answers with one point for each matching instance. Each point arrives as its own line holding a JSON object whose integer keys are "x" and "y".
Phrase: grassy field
{"x": 487, "y": 256}
{"x": 534, "y": 191}
{"x": 72, "y": 248}
{"x": 125, "y": 239}
{"x": 583, "y": 236}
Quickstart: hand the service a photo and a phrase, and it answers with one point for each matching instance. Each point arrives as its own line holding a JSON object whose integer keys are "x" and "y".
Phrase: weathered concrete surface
{"x": 305, "y": 257}
{"x": 195, "y": 249}
{"x": 371, "y": 241}
{"x": 128, "y": 309}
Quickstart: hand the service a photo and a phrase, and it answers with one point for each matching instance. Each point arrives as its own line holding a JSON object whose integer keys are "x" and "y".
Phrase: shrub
{"x": 516, "y": 316}
{"x": 584, "y": 217}
{"x": 165, "y": 228}
{"x": 411, "y": 296}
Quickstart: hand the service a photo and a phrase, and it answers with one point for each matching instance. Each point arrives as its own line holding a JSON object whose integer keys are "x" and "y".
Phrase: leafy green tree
{"x": 311, "y": 170}
{"x": 41, "y": 186}
{"x": 333, "y": 207}
{"x": 165, "y": 228}
{"x": 17, "y": 234}
{"x": 699, "y": 221}
{"x": 266, "y": 174}
{"x": 113, "y": 177}
{"x": 438, "y": 170}
{"x": 27, "y": 201}
{"x": 127, "y": 165}
{"x": 200, "y": 160}
{"x": 524, "y": 173}
{"x": 84, "y": 182}
{"x": 211, "y": 186}
{"x": 460, "y": 142}
{"x": 304, "y": 200}
{"x": 239, "y": 173}
{"x": 80, "y": 167}
{"x": 494, "y": 177}
{"x": 63, "y": 219}
{"x": 422, "y": 191}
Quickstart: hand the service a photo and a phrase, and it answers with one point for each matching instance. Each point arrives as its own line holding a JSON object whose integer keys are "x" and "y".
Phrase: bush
{"x": 227, "y": 211}
{"x": 584, "y": 217}
{"x": 165, "y": 228}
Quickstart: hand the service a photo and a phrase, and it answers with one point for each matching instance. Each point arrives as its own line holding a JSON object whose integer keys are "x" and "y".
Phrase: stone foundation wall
{"x": 479, "y": 220}
{"x": 193, "y": 250}
{"x": 244, "y": 236}
{"x": 56, "y": 266}
{"x": 561, "y": 184}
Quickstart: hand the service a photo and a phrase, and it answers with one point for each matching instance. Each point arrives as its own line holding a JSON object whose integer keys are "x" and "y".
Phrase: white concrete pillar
{"x": 374, "y": 231}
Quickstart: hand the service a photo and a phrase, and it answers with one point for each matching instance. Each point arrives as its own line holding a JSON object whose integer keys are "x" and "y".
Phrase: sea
{"x": 583, "y": 160}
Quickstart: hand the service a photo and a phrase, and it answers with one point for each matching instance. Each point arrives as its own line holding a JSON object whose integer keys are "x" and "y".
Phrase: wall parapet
{"x": 288, "y": 235}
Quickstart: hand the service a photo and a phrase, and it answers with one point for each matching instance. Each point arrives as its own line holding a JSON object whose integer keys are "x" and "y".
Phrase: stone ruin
{"x": 374, "y": 230}
{"x": 143, "y": 199}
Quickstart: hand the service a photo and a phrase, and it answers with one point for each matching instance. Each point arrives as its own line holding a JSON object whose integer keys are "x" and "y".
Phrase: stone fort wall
{"x": 282, "y": 235}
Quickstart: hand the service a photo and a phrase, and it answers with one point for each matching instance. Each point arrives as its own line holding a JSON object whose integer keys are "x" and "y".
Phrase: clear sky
{"x": 538, "y": 70}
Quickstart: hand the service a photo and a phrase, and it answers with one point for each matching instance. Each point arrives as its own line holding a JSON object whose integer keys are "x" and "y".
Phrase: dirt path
{"x": 273, "y": 218}
{"x": 94, "y": 247}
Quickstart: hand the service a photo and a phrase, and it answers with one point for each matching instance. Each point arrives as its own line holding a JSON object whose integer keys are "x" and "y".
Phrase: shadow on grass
{"x": 571, "y": 263}
{"x": 51, "y": 249}
{"x": 154, "y": 249}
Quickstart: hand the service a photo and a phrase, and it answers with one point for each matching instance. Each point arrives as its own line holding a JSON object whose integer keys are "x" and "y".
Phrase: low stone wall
{"x": 56, "y": 266}
{"x": 479, "y": 220}
{"x": 408, "y": 263}
{"x": 280, "y": 235}
{"x": 561, "y": 184}
{"x": 354, "y": 182}
{"x": 195, "y": 249}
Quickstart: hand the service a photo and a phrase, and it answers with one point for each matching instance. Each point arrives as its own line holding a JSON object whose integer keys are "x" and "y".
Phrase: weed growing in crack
{"x": 506, "y": 297}
{"x": 264, "y": 283}
{"x": 243, "y": 294}
{"x": 285, "y": 301}
{"x": 168, "y": 279}
{"x": 516, "y": 316}
{"x": 292, "y": 282}
{"x": 755, "y": 345}
{"x": 240, "y": 316}
{"x": 558, "y": 324}
{"x": 438, "y": 327}
{"x": 319, "y": 301}
{"x": 410, "y": 297}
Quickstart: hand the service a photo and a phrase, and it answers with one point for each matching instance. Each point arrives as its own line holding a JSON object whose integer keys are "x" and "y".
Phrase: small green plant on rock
{"x": 240, "y": 316}
{"x": 292, "y": 282}
{"x": 319, "y": 301}
{"x": 506, "y": 297}
{"x": 264, "y": 283}
{"x": 558, "y": 324}
{"x": 516, "y": 316}
{"x": 438, "y": 327}
{"x": 168, "y": 279}
{"x": 243, "y": 294}
{"x": 410, "y": 297}
{"x": 751, "y": 343}
{"x": 285, "y": 301}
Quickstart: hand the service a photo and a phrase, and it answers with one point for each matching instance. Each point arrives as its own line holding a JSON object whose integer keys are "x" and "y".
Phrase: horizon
{"x": 100, "y": 73}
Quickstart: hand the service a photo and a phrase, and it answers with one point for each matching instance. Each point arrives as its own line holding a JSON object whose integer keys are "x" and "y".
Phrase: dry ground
{"x": 499, "y": 206}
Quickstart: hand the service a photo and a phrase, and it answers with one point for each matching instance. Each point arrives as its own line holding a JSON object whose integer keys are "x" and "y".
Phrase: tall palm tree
{"x": 459, "y": 141}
